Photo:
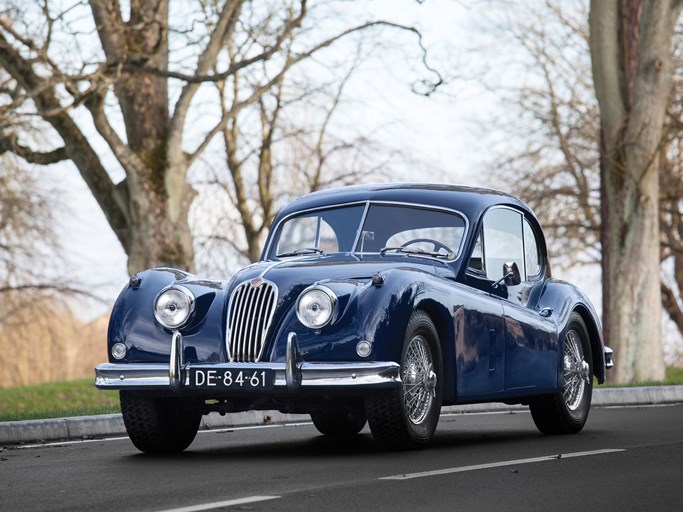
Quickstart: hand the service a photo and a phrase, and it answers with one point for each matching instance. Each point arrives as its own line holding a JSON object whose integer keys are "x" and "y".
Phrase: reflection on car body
{"x": 371, "y": 304}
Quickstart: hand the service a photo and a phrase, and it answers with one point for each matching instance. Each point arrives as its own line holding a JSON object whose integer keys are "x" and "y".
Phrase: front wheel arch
{"x": 443, "y": 322}
{"x": 407, "y": 417}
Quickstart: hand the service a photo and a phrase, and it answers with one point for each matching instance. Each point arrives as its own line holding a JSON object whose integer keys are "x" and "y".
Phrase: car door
{"x": 480, "y": 334}
{"x": 530, "y": 337}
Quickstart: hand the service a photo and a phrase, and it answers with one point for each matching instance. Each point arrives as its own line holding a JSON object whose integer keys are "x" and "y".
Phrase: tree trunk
{"x": 159, "y": 233}
{"x": 632, "y": 73}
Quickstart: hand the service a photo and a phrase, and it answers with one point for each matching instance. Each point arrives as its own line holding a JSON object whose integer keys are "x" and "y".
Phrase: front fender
{"x": 378, "y": 313}
{"x": 132, "y": 320}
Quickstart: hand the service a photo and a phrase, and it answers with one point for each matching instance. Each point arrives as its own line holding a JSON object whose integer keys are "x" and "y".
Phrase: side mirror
{"x": 511, "y": 275}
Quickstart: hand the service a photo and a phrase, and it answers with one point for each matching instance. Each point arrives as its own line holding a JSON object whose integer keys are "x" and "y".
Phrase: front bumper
{"x": 292, "y": 375}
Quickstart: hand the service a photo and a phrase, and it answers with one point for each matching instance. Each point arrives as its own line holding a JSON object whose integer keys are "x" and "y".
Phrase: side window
{"x": 503, "y": 242}
{"x": 476, "y": 262}
{"x": 533, "y": 258}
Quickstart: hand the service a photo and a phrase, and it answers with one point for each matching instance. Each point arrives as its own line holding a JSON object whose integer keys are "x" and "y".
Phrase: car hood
{"x": 302, "y": 272}
{"x": 349, "y": 277}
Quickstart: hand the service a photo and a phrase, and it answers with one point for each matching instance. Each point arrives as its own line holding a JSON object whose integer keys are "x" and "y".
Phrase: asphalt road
{"x": 625, "y": 459}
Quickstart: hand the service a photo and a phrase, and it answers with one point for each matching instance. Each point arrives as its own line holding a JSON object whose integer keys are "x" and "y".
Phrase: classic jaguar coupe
{"x": 374, "y": 303}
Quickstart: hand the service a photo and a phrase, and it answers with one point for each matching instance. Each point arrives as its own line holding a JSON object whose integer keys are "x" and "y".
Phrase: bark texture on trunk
{"x": 632, "y": 72}
{"x": 158, "y": 207}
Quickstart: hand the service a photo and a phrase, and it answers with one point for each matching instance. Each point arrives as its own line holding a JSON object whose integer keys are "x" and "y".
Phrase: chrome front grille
{"x": 250, "y": 313}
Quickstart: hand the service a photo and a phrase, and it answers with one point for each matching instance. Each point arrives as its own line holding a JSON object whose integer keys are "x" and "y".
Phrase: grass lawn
{"x": 674, "y": 376}
{"x": 56, "y": 400}
{"x": 80, "y": 398}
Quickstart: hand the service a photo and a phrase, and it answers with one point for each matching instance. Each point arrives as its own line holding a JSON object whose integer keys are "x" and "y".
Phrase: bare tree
{"x": 27, "y": 241}
{"x": 124, "y": 81}
{"x": 631, "y": 43}
{"x": 556, "y": 167}
{"x": 671, "y": 213}
{"x": 280, "y": 147}
{"x": 554, "y": 163}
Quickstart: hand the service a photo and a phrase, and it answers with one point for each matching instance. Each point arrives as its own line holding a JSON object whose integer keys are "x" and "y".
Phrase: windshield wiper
{"x": 301, "y": 252}
{"x": 419, "y": 252}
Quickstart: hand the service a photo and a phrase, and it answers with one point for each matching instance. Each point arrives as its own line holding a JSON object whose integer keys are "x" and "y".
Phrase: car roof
{"x": 470, "y": 201}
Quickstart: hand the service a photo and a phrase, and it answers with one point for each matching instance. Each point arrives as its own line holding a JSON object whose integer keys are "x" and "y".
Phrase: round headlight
{"x": 315, "y": 307}
{"x": 174, "y": 306}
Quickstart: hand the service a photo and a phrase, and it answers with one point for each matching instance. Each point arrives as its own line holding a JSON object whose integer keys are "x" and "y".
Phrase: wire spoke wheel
{"x": 407, "y": 417}
{"x": 419, "y": 380}
{"x": 566, "y": 411}
{"x": 575, "y": 370}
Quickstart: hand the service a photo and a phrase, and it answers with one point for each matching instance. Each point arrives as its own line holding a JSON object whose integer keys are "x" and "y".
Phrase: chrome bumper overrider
{"x": 291, "y": 375}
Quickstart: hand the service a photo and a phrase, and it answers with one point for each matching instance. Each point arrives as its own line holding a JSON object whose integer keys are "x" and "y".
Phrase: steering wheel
{"x": 437, "y": 245}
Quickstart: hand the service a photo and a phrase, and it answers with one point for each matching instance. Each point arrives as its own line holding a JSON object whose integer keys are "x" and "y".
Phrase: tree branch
{"x": 11, "y": 144}
{"x": 672, "y": 307}
{"x": 76, "y": 145}
{"x": 267, "y": 54}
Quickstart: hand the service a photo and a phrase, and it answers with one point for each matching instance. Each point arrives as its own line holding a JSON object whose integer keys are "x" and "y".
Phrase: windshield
{"x": 387, "y": 229}
{"x": 320, "y": 231}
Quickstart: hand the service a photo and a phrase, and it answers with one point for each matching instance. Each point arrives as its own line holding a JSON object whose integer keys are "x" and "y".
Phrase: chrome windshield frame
{"x": 359, "y": 229}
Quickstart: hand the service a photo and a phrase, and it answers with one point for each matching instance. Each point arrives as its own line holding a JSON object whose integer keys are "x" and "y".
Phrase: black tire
{"x": 566, "y": 412}
{"x": 159, "y": 425}
{"x": 406, "y": 418}
{"x": 339, "y": 422}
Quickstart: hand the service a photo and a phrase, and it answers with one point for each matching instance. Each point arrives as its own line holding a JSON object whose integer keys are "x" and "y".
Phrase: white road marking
{"x": 476, "y": 467}
{"x": 207, "y": 431}
{"x": 220, "y": 504}
{"x": 65, "y": 443}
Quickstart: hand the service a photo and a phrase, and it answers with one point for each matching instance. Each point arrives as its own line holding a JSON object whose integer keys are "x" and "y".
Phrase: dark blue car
{"x": 374, "y": 303}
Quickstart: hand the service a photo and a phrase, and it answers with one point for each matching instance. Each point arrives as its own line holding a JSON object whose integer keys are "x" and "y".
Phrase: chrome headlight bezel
{"x": 188, "y": 306}
{"x": 327, "y": 313}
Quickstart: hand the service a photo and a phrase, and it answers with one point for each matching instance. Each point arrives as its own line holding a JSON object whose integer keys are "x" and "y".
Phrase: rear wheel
{"x": 566, "y": 412}
{"x": 159, "y": 425}
{"x": 407, "y": 417}
{"x": 339, "y": 422}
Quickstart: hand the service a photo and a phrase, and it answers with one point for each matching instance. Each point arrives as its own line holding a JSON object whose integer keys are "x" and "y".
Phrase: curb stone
{"x": 86, "y": 427}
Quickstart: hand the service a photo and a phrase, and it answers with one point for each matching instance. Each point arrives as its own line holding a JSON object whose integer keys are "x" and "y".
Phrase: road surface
{"x": 625, "y": 459}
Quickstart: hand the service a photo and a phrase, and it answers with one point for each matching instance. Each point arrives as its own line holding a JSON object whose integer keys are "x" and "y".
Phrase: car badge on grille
{"x": 256, "y": 282}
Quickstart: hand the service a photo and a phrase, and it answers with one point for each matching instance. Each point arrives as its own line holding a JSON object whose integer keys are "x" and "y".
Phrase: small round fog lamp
{"x": 118, "y": 351}
{"x": 364, "y": 348}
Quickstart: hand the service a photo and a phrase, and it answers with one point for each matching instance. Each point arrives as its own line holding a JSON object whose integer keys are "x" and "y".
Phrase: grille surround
{"x": 250, "y": 314}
